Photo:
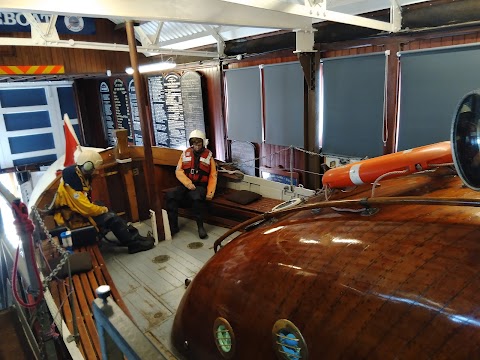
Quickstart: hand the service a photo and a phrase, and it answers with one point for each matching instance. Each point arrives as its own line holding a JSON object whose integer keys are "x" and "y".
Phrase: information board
{"x": 191, "y": 85}
{"x": 122, "y": 108}
{"x": 174, "y": 110}
{"x": 177, "y": 108}
{"x": 157, "y": 106}
{"x": 107, "y": 114}
{"x": 137, "y": 127}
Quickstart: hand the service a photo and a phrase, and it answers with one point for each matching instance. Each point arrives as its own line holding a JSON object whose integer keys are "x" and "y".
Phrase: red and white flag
{"x": 71, "y": 141}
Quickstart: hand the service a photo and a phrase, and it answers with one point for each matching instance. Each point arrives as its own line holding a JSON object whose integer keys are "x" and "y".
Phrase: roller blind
{"x": 284, "y": 103}
{"x": 432, "y": 84}
{"x": 244, "y": 116}
{"x": 353, "y": 105}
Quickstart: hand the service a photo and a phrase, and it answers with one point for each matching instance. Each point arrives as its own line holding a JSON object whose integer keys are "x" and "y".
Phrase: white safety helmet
{"x": 198, "y": 134}
{"x": 89, "y": 160}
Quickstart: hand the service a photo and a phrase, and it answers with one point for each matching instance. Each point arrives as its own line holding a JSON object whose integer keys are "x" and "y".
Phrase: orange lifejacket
{"x": 200, "y": 172}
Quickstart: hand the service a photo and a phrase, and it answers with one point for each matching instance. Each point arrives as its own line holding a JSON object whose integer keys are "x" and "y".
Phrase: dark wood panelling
{"x": 76, "y": 61}
{"x": 89, "y": 105}
{"x": 141, "y": 189}
{"x": 213, "y": 109}
{"x": 275, "y": 156}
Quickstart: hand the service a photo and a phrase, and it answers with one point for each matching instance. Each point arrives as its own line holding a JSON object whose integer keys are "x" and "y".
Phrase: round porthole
{"x": 288, "y": 341}
{"x": 224, "y": 337}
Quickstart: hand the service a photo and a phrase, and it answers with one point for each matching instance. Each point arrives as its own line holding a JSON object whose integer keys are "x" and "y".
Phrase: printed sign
{"x": 16, "y": 22}
{"x": 122, "y": 108}
{"x": 107, "y": 114}
{"x": 137, "y": 127}
{"x": 157, "y": 105}
{"x": 174, "y": 109}
{"x": 191, "y": 84}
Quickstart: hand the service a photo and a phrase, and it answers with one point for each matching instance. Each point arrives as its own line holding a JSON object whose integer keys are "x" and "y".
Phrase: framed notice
{"x": 107, "y": 114}
{"x": 174, "y": 110}
{"x": 191, "y": 84}
{"x": 157, "y": 106}
{"x": 122, "y": 108}
{"x": 137, "y": 127}
{"x": 176, "y": 104}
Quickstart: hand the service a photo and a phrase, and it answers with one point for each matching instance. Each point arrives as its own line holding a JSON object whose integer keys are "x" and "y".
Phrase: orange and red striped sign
{"x": 32, "y": 70}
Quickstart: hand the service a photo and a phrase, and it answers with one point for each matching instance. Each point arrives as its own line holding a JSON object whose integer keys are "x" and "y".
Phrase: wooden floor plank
{"x": 123, "y": 279}
{"x": 67, "y": 312}
{"x": 86, "y": 314}
{"x": 148, "y": 309}
{"x": 82, "y": 330}
{"x": 88, "y": 288}
{"x": 116, "y": 295}
{"x": 153, "y": 289}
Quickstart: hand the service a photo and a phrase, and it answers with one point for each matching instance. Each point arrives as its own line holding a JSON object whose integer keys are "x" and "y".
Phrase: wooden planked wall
{"x": 76, "y": 61}
{"x": 212, "y": 85}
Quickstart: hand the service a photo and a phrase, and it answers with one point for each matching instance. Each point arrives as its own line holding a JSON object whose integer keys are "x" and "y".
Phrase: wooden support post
{"x": 311, "y": 126}
{"x": 147, "y": 145}
{"x": 122, "y": 156}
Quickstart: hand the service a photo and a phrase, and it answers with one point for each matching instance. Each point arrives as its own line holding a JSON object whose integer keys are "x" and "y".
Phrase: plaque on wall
{"x": 191, "y": 84}
{"x": 243, "y": 156}
{"x": 157, "y": 106}
{"x": 122, "y": 108}
{"x": 174, "y": 110}
{"x": 137, "y": 127}
{"x": 107, "y": 114}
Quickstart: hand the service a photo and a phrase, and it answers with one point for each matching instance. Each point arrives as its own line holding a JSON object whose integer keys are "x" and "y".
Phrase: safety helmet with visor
{"x": 197, "y": 135}
{"x": 88, "y": 161}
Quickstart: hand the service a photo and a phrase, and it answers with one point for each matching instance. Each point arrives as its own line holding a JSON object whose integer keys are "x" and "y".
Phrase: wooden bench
{"x": 84, "y": 285}
{"x": 226, "y": 213}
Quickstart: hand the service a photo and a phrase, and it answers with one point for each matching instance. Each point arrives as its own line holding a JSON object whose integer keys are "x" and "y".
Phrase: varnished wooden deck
{"x": 84, "y": 294}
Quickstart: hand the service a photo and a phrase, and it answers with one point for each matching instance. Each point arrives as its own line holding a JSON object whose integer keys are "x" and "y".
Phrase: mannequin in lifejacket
{"x": 74, "y": 195}
{"x": 197, "y": 172}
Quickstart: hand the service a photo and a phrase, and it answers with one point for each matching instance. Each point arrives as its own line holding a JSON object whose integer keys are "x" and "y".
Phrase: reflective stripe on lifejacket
{"x": 199, "y": 174}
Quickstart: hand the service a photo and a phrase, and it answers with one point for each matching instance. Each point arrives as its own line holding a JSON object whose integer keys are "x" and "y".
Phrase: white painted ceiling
{"x": 189, "y": 24}
{"x": 182, "y": 35}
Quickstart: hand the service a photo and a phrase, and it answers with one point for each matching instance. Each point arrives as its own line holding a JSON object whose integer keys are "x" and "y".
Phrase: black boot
{"x": 140, "y": 243}
{"x": 201, "y": 231}
{"x": 128, "y": 236}
{"x": 173, "y": 221}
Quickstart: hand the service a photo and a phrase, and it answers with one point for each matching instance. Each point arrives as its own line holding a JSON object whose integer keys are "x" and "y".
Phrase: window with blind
{"x": 244, "y": 108}
{"x": 432, "y": 83}
{"x": 353, "y": 105}
{"x": 284, "y": 104}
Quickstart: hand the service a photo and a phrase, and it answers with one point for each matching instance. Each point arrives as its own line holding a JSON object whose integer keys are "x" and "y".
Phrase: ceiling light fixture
{"x": 160, "y": 66}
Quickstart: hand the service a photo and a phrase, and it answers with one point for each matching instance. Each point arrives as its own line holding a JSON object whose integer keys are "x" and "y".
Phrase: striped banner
{"x": 32, "y": 70}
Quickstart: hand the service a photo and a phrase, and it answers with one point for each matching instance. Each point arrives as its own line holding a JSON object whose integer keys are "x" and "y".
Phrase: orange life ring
{"x": 367, "y": 171}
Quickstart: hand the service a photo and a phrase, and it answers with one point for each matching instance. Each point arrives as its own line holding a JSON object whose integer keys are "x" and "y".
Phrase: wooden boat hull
{"x": 402, "y": 283}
